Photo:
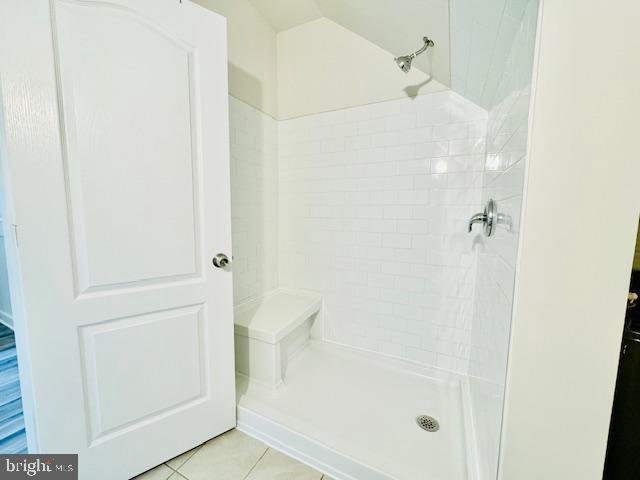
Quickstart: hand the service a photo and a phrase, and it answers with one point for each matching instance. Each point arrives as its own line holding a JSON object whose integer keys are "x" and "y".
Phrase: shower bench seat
{"x": 269, "y": 330}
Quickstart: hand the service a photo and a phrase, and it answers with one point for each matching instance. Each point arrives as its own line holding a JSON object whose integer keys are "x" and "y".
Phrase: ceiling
{"x": 395, "y": 25}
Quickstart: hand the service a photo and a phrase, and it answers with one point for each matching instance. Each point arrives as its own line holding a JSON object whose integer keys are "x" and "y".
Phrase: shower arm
{"x": 427, "y": 43}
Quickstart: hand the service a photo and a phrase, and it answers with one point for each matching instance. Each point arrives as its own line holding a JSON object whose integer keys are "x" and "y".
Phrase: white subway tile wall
{"x": 374, "y": 202}
{"x": 254, "y": 200}
{"x": 482, "y": 33}
{"x": 503, "y": 181}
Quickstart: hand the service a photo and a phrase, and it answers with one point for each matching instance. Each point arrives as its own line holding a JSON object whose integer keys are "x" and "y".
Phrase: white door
{"x": 117, "y": 162}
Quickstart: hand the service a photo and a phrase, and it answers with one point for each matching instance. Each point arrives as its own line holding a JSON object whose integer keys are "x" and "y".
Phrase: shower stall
{"x": 356, "y": 213}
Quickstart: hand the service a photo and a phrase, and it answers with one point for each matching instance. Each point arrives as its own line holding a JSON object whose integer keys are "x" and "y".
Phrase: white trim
{"x": 304, "y": 449}
{"x": 7, "y": 210}
{"x": 470, "y": 437}
{"x": 5, "y": 317}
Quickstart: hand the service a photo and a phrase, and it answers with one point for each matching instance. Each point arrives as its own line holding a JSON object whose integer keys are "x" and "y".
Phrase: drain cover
{"x": 427, "y": 423}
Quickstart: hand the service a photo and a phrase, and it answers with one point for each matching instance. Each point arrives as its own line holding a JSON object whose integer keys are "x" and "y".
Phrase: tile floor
{"x": 232, "y": 456}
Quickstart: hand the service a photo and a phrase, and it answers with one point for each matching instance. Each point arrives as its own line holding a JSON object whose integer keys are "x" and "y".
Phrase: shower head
{"x": 404, "y": 62}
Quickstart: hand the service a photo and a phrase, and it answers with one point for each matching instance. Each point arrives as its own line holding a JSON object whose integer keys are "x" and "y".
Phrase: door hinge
{"x": 15, "y": 234}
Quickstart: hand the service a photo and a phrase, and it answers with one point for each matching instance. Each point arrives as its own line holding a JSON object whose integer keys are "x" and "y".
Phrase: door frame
{"x": 15, "y": 287}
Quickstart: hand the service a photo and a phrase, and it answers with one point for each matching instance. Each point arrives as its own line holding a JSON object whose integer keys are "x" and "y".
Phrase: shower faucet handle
{"x": 477, "y": 218}
{"x": 488, "y": 218}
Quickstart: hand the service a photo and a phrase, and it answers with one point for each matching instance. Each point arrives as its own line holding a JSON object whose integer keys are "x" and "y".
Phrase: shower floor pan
{"x": 353, "y": 416}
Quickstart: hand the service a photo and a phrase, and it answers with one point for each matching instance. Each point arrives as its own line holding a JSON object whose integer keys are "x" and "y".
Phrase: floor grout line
{"x": 255, "y": 464}
{"x": 176, "y": 474}
{"x": 177, "y": 469}
{"x": 173, "y": 472}
{"x": 179, "y": 475}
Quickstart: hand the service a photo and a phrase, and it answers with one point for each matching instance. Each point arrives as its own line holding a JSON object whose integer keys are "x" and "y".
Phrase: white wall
{"x": 374, "y": 202}
{"x": 398, "y": 27}
{"x": 577, "y": 240}
{"x": 322, "y": 66}
{"x": 381, "y": 22}
{"x": 507, "y": 133}
{"x": 254, "y": 200}
{"x": 252, "y": 53}
{"x": 285, "y": 14}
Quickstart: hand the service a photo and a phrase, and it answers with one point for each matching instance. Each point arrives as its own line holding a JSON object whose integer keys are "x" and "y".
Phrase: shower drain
{"x": 427, "y": 423}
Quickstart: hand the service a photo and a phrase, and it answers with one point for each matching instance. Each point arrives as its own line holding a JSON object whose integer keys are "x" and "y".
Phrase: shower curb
{"x": 304, "y": 449}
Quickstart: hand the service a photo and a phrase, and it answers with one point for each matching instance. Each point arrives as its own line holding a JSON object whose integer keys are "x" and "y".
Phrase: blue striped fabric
{"x": 12, "y": 434}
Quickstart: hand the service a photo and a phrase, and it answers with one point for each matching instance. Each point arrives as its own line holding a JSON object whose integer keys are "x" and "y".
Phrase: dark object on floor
{"x": 622, "y": 461}
{"x": 633, "y": 312}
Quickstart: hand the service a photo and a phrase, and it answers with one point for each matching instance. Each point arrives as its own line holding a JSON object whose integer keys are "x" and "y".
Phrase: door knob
{"x": 220, "y": 260}
{"x": 488, "y": 218}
